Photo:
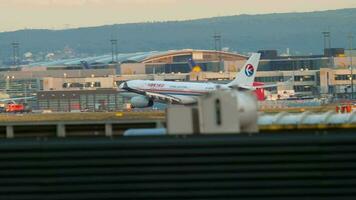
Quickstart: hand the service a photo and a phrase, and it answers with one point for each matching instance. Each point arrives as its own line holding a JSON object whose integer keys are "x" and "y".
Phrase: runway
{"x": 130, "y": 115}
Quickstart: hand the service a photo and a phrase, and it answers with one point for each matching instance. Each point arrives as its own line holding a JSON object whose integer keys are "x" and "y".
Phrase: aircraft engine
{"x": 141, "y": 102}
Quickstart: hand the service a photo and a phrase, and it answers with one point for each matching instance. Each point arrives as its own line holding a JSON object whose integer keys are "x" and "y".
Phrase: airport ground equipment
{"x": 182, "y": 120}
{"x": 228, "y": 112}
{"x": 145, "y": 132}
{"x": 222, "y": 111}
{"x": 308, "y": 119}
{"x": 14, "y": 108}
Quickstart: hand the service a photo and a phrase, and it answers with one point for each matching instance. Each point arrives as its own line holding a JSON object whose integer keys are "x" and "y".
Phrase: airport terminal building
{"x": 67, "y": 85}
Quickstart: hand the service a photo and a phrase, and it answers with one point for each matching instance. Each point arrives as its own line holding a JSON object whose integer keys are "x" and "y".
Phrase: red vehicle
{"x": 16, "y": 108}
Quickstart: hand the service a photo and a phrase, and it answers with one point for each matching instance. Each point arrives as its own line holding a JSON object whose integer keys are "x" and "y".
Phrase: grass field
{"x": 90, "y": 116}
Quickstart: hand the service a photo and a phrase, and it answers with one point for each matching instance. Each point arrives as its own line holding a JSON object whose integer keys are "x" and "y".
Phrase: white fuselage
{"x": 187, "y": 92}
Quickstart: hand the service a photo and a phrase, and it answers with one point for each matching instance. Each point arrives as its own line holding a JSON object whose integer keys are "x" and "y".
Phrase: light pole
{"x": 327, "y": 41}
{"x": 217, "y": 44}
{"x": 327, "y": 46}
{"x": 25, "y": 92}
{"x": 114, "y": 56}
{"x": 16, "y": 53}
{"x": 351, "y": 67}
{"x": 7, "y": 86}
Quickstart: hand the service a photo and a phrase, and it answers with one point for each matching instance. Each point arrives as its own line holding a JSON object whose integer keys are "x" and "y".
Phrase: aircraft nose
{"x": 123, "y": 85}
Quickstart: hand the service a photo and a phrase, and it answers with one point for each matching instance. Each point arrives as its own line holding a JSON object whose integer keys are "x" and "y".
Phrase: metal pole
{"x": 112, "y": 50}
{"x": 116, "y": 52}
{"x": 351, "y": 66}
{"x": 327, "y": 41}
{"x": 16, "y": 53}
{"x": 217, "y": 42}
{"x": 324, "y": 34}
{"x": 7, "y": 84}
{"x": 25, "y": 93}
{"x": 327, "y": 45}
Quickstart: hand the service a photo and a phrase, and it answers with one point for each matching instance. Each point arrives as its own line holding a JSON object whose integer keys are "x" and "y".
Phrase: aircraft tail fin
{"x": 246, "y": 76}
{"x": 85, "y": 64}
{"x": 193, "y": 66}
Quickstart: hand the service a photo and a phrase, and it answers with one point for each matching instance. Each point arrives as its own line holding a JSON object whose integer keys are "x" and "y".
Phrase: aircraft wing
{"x": 266, "y": 86}
{"x": 14, "y": 99}
{"x": 243, "y": 87}
{"x": 162, "y": 97}
{"x": 275, "y": 84}
{"x": 5, "y": 100}
{"x": 153, "y": 95}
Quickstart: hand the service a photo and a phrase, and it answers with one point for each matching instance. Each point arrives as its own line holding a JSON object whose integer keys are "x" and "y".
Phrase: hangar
{"x": 177, "y": 62}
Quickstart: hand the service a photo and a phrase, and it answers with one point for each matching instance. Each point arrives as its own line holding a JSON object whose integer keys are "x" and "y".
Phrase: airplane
{"x": 85, "y": 64}
{"x": 259, "y": 92}
{"x": 3, "y": 95}
{"x": 6, "y": 98}
{"x": 144, "y": 93}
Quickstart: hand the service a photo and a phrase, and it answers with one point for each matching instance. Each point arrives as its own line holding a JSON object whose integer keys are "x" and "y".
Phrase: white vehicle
{"x": 144, "y": 93}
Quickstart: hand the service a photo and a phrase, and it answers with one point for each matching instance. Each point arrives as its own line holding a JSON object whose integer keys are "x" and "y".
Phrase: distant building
{"x": 316, "y": 75}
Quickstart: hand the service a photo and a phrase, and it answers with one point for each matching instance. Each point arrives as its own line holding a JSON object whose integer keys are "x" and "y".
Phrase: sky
{"x": 62, "y": 14}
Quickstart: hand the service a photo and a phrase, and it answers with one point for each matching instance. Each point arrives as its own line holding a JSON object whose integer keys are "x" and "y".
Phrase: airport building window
{"x": 63, "y": 104}
{"x": 344, "y": 88}
{"x": 344, "y": 77}
{"x": 90, "y": 102}
{"x": 83, "y": 100}
{"x": 54, "y": 105}
{"x": 154, "y": 69}
{"x": 82, "y": 85}
{"x": 177, "y": 67}
{"x": 73, "y": 85}
{"x": 212, "y": 67}
{"x": 207, "y": 57}
{"x": 302, "y": 88}
{"x": 44, "y": 105}
{"x": 96, "y": 84}
{"x": 318, "y": 78}
{"x": 304, "y": 78}
{"x": 270, "y": 79}
{"x": 292, "y": 64}
{"x": 183, "y": 58}
{"x": 80, "y": 100}
{"x": 20, "y": 87}
{"x": 271, "y": 89}
{"x": 181, "y": 67}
